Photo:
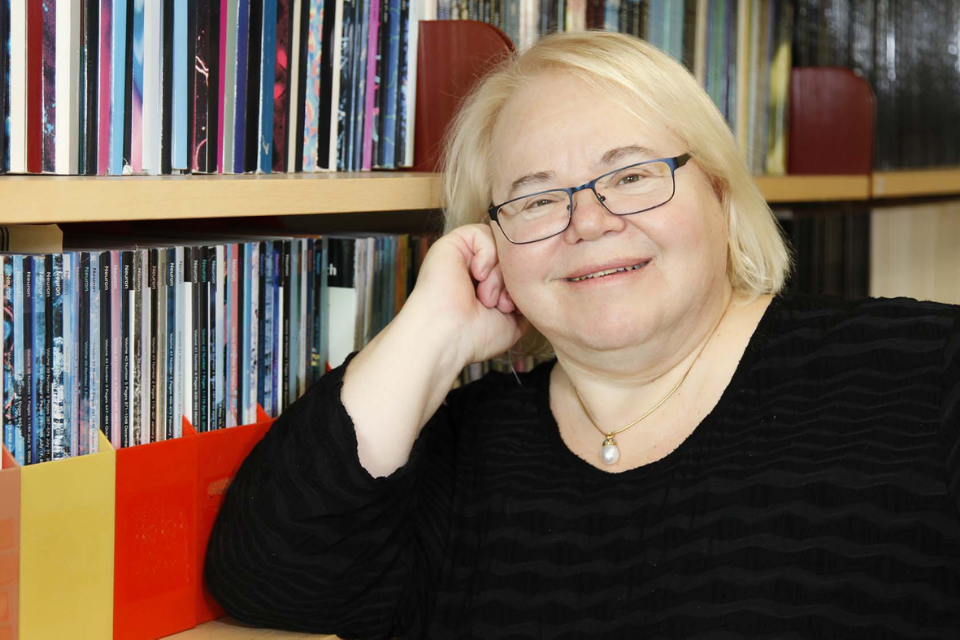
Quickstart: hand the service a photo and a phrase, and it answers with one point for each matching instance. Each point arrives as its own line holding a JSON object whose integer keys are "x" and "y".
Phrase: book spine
{"x": 179, "y": 157}
{"x": 296, "y": 87}
{"x": 106, "y": 353}
{"x": 29, "y": 347}
{"x": 253, "y": 290}
{"x": 4, "y": 86}
{"x": 373, "y": 39}
{"x": 311, "y": 117}
{"x": 227, "y": 57}
{"x": 232, "y": 381}
{"x": 170, "y": 351}
{"x": 268, "y": 61}
{"x": 215, "y": 301}
{"x": 203, "y": 325}
{"x": 95, "y": 370}
{"x": 45, "y": 361}
{"x": 281, "y": 84}
{"x": 237, "y": 343}
{"x": 240, "y": 86}
{"x": 388, "y": 152}
{"x": 205, "y": 109}
{"x": 116, "y": 348}
{"x": 358, "y": 84}
{"x": 179, "y": 356}
{"x": 127, "y": 299}
{"x": 141, "y": 310}
{"x": 251, "y": 143}
{"x": 329, "y": 84}
{"x": 19, "y": 390}
{"x": 9, "y": 327}
{"x": 118, "y": 84}
{"x": 277, "y": 366}
{"x": 190, "y": 334}
{"x": 84, "y": 312}
{"x": 158, "y": 418}
{"x": 265, "y": 306}
{"x": 71, "y": 351}
{"x": 269, "y": 287}
{"x": 68, "y": 85}
{"x": 58, "y": 427}
{"x": 136, "y": 88}
{"x": 152, "y": 330}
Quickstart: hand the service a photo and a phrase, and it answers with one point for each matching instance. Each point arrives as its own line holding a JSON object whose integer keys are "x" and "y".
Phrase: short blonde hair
{"x": 654, "y": 87}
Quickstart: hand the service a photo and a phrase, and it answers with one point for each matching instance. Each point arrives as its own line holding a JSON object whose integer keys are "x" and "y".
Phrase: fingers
{"x": 483, "y": 249}
{"x": 490, "y": 289}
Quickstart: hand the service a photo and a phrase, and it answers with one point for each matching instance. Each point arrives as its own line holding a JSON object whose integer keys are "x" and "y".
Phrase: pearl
{"x": 610, "y": 454}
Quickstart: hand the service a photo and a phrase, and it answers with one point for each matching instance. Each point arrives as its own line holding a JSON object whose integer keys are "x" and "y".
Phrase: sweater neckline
{"x": 548, "y": 421}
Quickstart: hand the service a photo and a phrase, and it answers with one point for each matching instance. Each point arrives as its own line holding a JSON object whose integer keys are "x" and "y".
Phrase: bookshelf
{"x": 63, "y": 199}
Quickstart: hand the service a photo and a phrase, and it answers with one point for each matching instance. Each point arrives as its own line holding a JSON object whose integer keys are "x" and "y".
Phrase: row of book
{"x": 114, "y": 87}
{"x": 909, "y": 52}
{"x": 739, "y": 50}
{"x": 131, "y": 337}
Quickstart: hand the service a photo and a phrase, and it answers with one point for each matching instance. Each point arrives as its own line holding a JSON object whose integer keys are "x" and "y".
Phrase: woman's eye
{"x": 533, "y": 204}
{"x": 630, "y": 178}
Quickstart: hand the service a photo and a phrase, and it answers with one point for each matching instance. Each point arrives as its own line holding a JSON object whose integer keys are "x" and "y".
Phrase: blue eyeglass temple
{"x": 674, "y": 164}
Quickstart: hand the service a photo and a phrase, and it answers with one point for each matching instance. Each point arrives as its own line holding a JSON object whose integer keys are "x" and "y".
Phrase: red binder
{"x": 832, "y": 122}
{"x": 453, "y": 55}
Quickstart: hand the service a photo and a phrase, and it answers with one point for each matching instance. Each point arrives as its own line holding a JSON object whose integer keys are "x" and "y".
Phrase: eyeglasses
{"x": 632, "y": 189}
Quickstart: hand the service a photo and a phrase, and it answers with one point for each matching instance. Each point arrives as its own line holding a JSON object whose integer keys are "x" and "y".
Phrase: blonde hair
{"x": 655, "y": 88}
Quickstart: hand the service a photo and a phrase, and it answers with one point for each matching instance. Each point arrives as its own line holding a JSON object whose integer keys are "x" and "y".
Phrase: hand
{"x": 460, "y": 278}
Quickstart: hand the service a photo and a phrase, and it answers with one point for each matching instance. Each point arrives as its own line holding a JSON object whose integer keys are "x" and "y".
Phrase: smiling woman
{"x": 704, "y": 456}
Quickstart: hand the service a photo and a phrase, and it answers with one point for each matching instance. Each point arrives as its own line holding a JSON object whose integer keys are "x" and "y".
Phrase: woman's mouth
{"x": 607, "y": 272}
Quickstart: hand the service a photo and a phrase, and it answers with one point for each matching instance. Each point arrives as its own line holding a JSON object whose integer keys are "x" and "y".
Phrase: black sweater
{"x": 818, "y": 499}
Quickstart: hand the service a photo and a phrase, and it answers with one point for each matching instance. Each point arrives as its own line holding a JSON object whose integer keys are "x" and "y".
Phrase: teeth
{"x": 600, "y": 274}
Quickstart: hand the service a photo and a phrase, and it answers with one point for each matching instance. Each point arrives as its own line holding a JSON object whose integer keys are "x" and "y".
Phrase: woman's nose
{"x": 590, "y": 218}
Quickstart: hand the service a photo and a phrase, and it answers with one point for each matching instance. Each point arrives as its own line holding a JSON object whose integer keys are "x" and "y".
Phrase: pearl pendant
{"x": 609, "y": 453}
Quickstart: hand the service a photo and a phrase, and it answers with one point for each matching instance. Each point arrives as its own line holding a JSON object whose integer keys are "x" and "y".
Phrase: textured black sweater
{"x": 818, "y": 499}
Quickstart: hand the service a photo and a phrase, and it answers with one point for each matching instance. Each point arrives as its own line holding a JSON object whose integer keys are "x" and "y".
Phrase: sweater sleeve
{"x": 308, "y": 540}
{"x": 950, "y": 410}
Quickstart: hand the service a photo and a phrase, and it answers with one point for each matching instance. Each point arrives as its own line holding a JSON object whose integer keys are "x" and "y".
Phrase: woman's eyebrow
{"x": 613, "y": 155}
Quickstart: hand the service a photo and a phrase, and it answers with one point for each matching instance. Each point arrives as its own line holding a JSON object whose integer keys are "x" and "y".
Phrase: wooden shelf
{"x": 55, "y": 199}
{"x": 228, "y": 629}
{"x": 921, "y": 182}
{"x": 45, "y": 199}
{"x": 781, "y": 189}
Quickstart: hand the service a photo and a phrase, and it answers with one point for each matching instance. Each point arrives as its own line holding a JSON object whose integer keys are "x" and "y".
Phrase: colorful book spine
{"x": 59, "y": 444}
{"x": 232, "y": 335}
{"x": 329, "y": 84}
{"x": 19, "y": 392}
{"x": 96, "y": 366}
{"x": 268, "y": 61}
{"x": 41, "y": 362}
{"x": 4, "y": 86}
{"x": 391, "y": 81}
{"x": 403, "y": 85}
{"x": 10, "y": 326}
{"x": 118, "y": 85}
{"x": 29, "y": 379}
{"x": 190, "y": 344}
{"x": 49, "y": 92}
{"x": 170, "y": 344}
{"x": 136, "y": 89}
{"x": 117, "y": 372}
{"x": 17, "y": 113}
{"x": 67, "y": 87}
{"x": 179, "y": 350}
{"x": 240, "y": 86}
{"x": 227, "y": 59}
{"x": 281, "y": 84}
{"x": 70, "y": 353}
{"x": 311, "y": 107}
{"x": 203, "y": 138}
{"x": 153, "y": 96}
{"x": 294, "y": 128}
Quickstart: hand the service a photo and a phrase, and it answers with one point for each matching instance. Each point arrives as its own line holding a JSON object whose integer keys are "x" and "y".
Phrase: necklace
{"x": 609, "y": 452}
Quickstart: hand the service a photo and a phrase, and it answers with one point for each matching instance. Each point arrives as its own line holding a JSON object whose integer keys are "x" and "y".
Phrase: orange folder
{"x": 9, "y": 547}
{"x": 155, "y": 576}
{"x": 219, "y": 456}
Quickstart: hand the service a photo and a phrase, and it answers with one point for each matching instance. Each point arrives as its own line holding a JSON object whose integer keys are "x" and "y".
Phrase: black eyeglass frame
{"x": 674, "y": 164}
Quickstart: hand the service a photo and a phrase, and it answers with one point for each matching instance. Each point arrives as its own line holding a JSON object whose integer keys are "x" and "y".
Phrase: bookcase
{"x": 157, "y": 484}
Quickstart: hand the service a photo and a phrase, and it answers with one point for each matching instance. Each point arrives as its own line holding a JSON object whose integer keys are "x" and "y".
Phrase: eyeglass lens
{"x": 629, "y": 190}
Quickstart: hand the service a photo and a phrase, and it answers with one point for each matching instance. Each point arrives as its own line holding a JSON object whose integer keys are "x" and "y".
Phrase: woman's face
{"x": 558, "y": 127}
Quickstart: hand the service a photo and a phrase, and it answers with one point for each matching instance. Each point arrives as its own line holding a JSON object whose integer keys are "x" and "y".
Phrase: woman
{"x": 704, "y": 457}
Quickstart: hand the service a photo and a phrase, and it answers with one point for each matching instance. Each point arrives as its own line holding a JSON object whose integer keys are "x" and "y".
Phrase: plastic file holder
{"x": 9, "y": 546}
{"x": 219, "y": 456}
{"x": 66, "y": 547}
{"x": 168, "y": 496}
{"x": 155, "y": 578}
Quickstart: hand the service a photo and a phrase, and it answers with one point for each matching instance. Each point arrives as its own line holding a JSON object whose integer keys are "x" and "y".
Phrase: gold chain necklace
{"x": 609, "y": 452}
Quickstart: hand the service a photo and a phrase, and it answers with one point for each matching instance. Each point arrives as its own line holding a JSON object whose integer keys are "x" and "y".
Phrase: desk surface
{"x": 227, "y": 629}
